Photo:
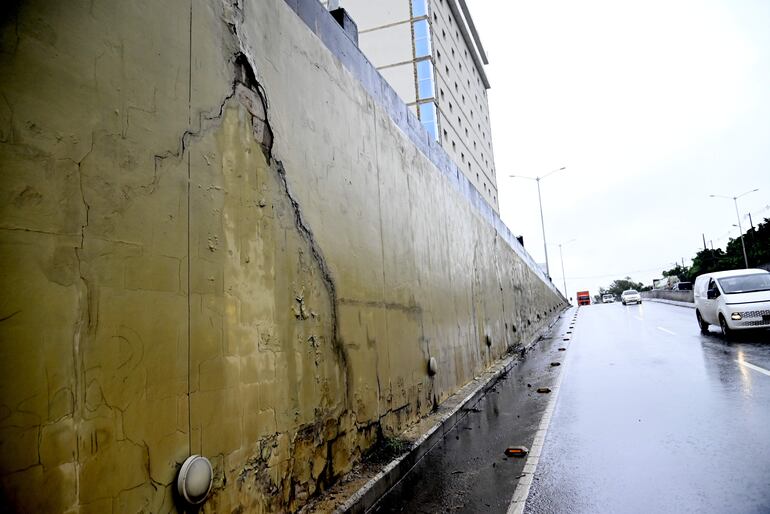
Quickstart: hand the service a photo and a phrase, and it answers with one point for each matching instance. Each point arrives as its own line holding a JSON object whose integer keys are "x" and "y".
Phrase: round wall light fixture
{"x": 195, "y": 479}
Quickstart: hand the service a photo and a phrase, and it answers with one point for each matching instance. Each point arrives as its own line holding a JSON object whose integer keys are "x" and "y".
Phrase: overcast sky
{"x": 651, "y": 106}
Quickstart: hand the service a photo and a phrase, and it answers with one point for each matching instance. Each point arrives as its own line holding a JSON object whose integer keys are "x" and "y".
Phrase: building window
{"x": 424, "y": 79}
{"x": 419, "y": 8}
{"x": 438, "y": 55}
{"x": 427, "y": 113}
{"x": 421, "y": 38}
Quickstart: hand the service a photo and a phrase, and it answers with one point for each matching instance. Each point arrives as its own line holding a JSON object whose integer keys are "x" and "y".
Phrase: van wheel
{"x": 726, "y": 331}
{"x": 704, "y": 327}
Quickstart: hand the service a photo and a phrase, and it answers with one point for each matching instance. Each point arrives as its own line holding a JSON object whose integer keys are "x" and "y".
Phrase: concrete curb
{"x": 671, "y": 302}
{"x": 367, "y": 497}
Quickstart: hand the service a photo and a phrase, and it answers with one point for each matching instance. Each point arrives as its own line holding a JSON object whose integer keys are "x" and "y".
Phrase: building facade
{"x": 430, "y": 53}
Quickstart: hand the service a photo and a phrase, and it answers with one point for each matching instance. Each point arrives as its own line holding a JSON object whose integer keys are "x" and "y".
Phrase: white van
{"x": 733, "y": 300}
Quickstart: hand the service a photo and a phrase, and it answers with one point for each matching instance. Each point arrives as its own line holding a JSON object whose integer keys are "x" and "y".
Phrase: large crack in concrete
{"x": 315, "y": 434}
{"x": 245, "y": 74}
{"x": 319, "y": 435}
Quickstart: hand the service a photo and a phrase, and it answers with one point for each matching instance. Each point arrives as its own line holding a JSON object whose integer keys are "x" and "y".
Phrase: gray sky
{"x": 652, "y": 106}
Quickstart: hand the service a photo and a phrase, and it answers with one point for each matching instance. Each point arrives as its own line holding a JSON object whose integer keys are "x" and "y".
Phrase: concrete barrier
{"x": 665, "y": 294}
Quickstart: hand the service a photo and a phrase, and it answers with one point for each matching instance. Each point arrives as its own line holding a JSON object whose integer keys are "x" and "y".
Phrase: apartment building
{"x": 430, "y": 53}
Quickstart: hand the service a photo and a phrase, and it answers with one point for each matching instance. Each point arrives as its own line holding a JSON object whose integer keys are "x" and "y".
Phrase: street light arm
{"x": 523, "y": 176}
{"x": 734, "y": 197}
{"x": 553, "y": 171}
{"x": 747, "y": 192}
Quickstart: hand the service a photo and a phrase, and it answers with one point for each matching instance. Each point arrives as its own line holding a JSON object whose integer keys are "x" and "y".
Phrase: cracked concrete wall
{"x": 215, "y": 241}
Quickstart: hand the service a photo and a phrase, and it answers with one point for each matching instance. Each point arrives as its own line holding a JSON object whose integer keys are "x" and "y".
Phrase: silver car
{"x": 630, "y": 295}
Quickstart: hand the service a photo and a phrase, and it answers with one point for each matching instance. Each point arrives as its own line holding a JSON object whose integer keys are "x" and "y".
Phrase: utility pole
{"x": 704, "y": 241}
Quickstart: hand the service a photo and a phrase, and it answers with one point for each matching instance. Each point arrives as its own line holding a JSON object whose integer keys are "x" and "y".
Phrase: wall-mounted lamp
{"x": 432, "y": 366}
{"x": 195, "y": 479}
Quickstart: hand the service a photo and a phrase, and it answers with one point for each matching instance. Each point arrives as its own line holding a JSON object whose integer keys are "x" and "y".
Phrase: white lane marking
{"x": 518, "y": 502}
{"x": 752, "y": 366}
{"x": 667, "y": 331}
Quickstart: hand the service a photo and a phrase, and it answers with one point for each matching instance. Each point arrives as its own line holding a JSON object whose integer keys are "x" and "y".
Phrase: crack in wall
{"x": 245, "y": 75}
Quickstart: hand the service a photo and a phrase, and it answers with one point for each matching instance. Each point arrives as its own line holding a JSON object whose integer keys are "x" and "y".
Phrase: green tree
{"x": 757, "y": 241}
{"x": 681, "y": 272}
{"x": 708, "y": 261}
{"x": 620, "y": 285}
{"x": 758, "y": 244}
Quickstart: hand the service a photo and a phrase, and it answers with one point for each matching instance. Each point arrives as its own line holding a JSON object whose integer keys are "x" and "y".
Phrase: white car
{"x": 733, "y": 300}
{"x": 608, "y": 298}
{"x": 630, "y": 295}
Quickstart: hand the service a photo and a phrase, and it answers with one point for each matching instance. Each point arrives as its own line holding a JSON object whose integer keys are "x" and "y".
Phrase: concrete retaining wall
{"x": 218, "y": 239}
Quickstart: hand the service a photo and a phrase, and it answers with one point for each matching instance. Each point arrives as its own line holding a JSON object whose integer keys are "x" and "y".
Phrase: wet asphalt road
{"x": 468, "y": 472}
{"x": 652, "y": 416}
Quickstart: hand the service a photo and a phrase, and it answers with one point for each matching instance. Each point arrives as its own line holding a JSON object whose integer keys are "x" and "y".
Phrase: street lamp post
{"x": 540, "y": 202}
{"x": 740, "y": 229}
{"x": 561, "y": 255}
